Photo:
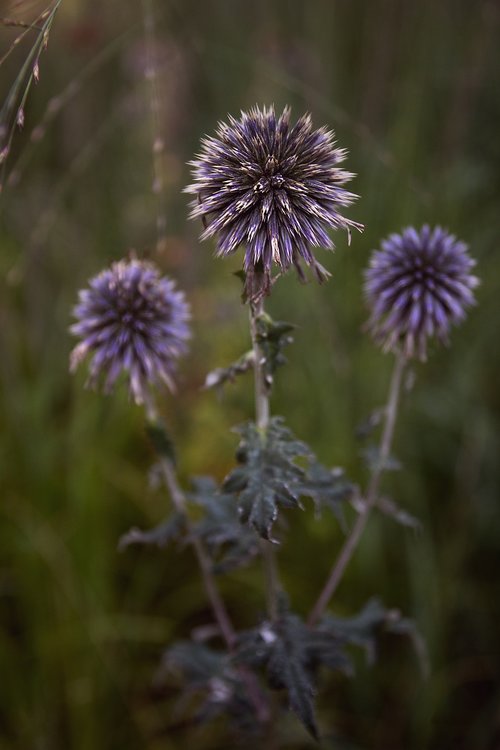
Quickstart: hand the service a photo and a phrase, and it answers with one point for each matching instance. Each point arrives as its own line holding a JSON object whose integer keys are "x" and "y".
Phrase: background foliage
{"x": 412, "y": 90}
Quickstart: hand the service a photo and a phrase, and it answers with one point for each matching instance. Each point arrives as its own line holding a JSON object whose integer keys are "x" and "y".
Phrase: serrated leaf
{"x": 211, "y": 677}
{"x": 159, "y": 536}
{"x": 230, "y": 545}
{"x": 221, "y": 375}
{"x": 281, "y": 648}
{"x": 287, "y": 668}
{"x": 328, "y": 488}
{"x": 364, "y": 628}
{"x": 268, "y": 477}
{"x": 272, "y": 336}
{"x": 162, "y": 442}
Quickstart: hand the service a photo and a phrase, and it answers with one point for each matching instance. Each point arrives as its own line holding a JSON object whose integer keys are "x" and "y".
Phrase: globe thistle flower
{"x": 133, "y": 320}
{"x": 272, "y": 187}
{"x": 417, "y": 286}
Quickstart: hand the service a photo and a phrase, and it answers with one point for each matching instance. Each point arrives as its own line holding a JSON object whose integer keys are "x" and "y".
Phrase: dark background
{"x": 412, "y": 90}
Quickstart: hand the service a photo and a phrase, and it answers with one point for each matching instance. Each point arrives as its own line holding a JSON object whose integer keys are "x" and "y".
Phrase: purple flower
{"x": 417, "y": 286}
{"x": 274, "y": 188}
{"x": 131, "y": 319}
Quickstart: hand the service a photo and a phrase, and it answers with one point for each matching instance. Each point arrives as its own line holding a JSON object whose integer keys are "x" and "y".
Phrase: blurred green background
{"x": 412, "y": 90}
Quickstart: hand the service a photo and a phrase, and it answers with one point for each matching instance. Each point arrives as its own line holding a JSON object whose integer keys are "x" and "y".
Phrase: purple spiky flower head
{"x": 132, "y": 320}
{"x": 272, "y": 187}
{"x": 417, "y": 286}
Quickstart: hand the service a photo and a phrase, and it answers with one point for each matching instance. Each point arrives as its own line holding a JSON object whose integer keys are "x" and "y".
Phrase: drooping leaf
{"x": 364, "y": 628}
{"x": 328, "y": 488}
{"x": 389, "y": 508}
{"x": 222, "y": 375}
{"x": 231, "y": 545}
{"x": 159, "y": 536}
{"x": 267, "y": 477}
{"x": 406, "y": 626}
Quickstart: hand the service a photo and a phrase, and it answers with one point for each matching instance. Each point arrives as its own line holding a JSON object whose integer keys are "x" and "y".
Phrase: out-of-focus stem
{"x": 352, "y": 540}
{"x": 158, "y": 143}
{"x": 262, "y": 413}
{"x": 218, "y": 606}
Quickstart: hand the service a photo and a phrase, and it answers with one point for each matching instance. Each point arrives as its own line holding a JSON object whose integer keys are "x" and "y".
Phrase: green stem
{"x": 352, "y": 540}
{"x": 262, "y": 415}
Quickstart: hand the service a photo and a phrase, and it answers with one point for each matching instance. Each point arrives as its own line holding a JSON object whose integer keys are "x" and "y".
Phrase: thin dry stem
{"x": 352, "y": 540}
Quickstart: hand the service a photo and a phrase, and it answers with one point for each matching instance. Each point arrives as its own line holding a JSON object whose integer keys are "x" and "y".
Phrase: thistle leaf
{"x": 222, "y": 375}
{"x": 230, "y": 545}
{"x": 268, "y": 477}
{"x": 159, "y": 536}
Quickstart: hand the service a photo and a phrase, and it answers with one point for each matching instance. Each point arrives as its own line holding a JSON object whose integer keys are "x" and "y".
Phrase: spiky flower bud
{"x": 132, "y": 320}
{"x": 417, "y": 286}
{"x": 272, "y": 187}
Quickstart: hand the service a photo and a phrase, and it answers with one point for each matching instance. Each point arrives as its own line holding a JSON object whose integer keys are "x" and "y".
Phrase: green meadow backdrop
{"x": 412, "y": 90}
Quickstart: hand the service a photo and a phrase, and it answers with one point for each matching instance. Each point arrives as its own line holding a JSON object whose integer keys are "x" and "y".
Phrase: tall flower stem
{"x": 262, "y": 414}
{"x": 352, "y": 540}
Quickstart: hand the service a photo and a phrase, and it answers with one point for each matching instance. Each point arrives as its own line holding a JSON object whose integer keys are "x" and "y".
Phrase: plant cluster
{"x": 276, "y": 190}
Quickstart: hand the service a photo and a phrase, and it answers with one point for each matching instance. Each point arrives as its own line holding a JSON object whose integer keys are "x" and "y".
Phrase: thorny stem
{"x": 352, "y": 540}
{"x": 262, "y": 413}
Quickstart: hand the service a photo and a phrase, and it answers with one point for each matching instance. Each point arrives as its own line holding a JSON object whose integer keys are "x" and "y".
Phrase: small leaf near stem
{"x": 218, "y": 606}
{"x": 352, "y": 540}
{"x": 163, "y": 443}
{"x": 262, "y": 413}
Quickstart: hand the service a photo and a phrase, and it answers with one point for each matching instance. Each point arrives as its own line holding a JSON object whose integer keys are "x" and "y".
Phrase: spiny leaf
{"x": 231, "y": 546}
{"x": 211, "y": 677}
{"x": 281, "y": 648}
{"x": 268, "y": 477}
{"x": 328, "y": 488}
{"x": 159, "y": 536}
